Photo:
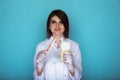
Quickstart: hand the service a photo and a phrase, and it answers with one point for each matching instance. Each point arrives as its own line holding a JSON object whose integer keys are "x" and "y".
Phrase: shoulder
{"x": 42, "y": 42}
{"x": 72, "y": 42}
{"x": 75, "y": 49}
{"x": 42, "y": 45}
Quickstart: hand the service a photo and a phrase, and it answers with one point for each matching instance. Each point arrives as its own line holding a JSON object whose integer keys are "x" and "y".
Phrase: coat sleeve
{"x": 36, "y": 77}
{"x": 77, "y": 62}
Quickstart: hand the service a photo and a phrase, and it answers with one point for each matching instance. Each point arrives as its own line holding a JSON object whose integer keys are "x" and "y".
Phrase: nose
{"x": 58, "y": 24}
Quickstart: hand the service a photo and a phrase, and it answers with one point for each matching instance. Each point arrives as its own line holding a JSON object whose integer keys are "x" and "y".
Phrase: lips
{"x": 57, "y": 29}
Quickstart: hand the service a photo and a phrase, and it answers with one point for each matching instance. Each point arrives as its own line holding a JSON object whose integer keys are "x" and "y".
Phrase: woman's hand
{"x": 40, "y": 60}
{"x": 41, "y": 54}
{"x": 68, "y": 59}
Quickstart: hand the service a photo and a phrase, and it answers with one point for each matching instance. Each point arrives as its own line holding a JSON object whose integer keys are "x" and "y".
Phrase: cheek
{"x": 63, "y": 29}
{"x": 50, "y": 27}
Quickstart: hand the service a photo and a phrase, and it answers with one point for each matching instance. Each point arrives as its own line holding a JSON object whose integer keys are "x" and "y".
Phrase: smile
{"x": 57, "y": 29}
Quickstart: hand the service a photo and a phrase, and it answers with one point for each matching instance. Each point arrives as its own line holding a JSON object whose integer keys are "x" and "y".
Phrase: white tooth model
{"x": 65, "y": 47}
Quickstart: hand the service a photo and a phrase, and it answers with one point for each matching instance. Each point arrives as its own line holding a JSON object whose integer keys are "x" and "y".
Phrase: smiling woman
{"x": 94, "y": 24}
{"x": 55, "y": 58}
{"x": 56, "y": 26}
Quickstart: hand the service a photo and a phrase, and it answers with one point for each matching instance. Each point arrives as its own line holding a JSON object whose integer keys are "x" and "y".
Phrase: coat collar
{"x": 62, "y": 38}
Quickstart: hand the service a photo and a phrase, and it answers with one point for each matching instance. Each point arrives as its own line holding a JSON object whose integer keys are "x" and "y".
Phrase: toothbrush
{"x": 49, "y": 45}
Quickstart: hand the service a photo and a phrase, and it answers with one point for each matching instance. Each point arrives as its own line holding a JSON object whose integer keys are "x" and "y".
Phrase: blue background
{"x": 94, "y": 24}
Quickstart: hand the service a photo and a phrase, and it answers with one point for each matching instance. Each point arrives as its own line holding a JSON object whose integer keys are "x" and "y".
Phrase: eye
{"x": 61, "y": 22}
{"x": 53, "y": 22}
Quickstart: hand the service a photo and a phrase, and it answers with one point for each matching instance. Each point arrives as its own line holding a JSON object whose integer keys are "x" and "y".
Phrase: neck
{"x": 57, "y": 39}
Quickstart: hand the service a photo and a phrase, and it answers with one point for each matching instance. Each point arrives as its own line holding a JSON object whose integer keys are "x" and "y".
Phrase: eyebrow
{"x": 54, "y": 20}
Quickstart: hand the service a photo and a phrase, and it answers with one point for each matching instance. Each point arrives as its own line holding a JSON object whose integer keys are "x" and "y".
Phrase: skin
{"x": 57, "y": 28}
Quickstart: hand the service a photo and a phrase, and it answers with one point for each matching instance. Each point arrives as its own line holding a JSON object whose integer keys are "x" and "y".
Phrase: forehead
{"x": 55, "y": 18}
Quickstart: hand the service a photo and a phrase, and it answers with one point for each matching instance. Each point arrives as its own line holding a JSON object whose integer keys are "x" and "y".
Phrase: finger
{"x": 67, "y": 61}
{"x": 67, "y": 53}
{"x": 44, "y": 51}
{"x": 42, "y": 59}
{"x": 67, "y": 56}
{"x": 43, "y": 55}
{"x": 38, "y": 55}
{"x": 38, "y": 60}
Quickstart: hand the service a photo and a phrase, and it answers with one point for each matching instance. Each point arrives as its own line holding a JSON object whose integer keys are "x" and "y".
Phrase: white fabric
{"x": 54, "y": 68}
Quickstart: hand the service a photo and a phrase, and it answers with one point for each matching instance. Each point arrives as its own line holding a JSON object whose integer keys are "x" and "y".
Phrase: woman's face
{"x": 56, "y": 26}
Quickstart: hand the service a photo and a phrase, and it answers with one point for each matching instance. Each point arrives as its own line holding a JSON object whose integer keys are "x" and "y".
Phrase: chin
{"x": 57, "y": 34}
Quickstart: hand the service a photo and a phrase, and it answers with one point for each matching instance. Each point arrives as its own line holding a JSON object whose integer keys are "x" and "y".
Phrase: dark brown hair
{"x": 64, "y": 19}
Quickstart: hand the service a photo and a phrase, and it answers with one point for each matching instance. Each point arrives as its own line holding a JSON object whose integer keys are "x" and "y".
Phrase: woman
{"x": 52, "y": 61}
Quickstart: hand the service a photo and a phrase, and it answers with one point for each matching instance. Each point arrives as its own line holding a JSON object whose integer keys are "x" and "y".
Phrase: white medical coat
{"x": 55, "y": 68}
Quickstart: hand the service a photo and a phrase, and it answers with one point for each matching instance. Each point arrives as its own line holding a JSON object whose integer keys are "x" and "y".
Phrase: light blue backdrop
{"x": 94, "y": 24}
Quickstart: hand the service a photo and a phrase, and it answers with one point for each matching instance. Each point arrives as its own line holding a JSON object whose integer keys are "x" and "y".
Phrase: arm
{"x": 39, "y": 61}
{"x": 73, "y": 61}
{"x": 77, "y": 61}
{"x": 75, "y": 65}
{"x": 68, "y": 59}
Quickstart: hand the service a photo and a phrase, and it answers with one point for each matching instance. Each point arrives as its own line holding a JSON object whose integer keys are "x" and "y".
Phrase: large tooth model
{"x": 65, "y": 47}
